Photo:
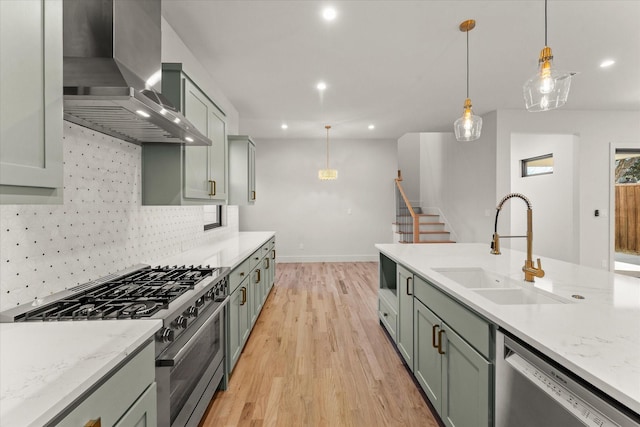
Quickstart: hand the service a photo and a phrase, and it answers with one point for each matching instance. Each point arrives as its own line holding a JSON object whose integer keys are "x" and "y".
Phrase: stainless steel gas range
{"x": 189, "y": 348}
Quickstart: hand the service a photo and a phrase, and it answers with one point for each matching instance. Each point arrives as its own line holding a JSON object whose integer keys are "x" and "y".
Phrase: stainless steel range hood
{"x": 112, "y": 70}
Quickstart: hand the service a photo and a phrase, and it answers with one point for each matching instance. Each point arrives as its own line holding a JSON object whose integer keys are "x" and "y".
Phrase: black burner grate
{"x": 139, "y": 294}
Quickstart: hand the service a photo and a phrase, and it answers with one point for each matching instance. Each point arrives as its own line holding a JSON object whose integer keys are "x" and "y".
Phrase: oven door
{"x": 189, "y": 371}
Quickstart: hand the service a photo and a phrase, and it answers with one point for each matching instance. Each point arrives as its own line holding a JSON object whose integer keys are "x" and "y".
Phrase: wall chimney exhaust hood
{"x": 112, "y": 68}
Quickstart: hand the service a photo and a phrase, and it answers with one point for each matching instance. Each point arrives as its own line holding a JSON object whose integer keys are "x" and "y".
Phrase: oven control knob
{"x": 165, "y": 335}
{"x": 180, "y": 322}
{"x": 191, "y": 311}
{"x": 209, "y": 295}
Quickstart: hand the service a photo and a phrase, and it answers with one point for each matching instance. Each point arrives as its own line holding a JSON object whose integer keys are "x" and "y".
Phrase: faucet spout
{"x": 529, "y": 268}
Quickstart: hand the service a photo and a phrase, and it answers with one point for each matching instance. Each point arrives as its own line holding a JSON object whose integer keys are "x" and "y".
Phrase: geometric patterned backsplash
{"x": 99, "y": 229}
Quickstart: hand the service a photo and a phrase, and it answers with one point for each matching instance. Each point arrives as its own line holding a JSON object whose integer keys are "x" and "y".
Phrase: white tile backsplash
{"x": 99, "y": 229}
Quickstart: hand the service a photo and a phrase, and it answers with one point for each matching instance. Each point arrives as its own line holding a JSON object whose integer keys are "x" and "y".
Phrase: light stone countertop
{"x": 597, "y": 338}
{"x": 44, "y": 367}
{"x": 229, "y": 252}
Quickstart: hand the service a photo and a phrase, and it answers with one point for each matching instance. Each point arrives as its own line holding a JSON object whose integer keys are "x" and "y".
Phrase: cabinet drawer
{"x": 255, "y": 258}
{"x": 388, "y": 317}
{"x": 238, "y": 274}
{"x": 111, "y": 400}
{"x": 469, "y": 325}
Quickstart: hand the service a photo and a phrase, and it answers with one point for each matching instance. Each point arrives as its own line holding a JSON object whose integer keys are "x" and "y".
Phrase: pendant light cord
{"x": 327, "y": 148}
{"x": 468, "y": 63}
{"x": 545, "y": 23}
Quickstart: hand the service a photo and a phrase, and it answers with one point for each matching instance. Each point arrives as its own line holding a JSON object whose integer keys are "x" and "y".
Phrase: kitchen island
{"x": 597, "y": 337}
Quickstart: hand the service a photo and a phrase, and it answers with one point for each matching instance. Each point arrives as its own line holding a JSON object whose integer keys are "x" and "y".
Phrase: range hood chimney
{"x": 112, "y": 68}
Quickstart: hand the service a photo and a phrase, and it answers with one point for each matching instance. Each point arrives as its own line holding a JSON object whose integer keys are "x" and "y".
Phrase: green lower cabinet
{"x": 427, "y": 361}
{"x": 238, "y": 323}
{"x": 405, "y": 338}
{"x": 257, "y": 285}
{"x": 455, "y": 377}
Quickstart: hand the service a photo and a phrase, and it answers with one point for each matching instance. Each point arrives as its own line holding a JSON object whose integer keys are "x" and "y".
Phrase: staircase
{"x": 430, "y": 229}
{"x": 413, "y": 225}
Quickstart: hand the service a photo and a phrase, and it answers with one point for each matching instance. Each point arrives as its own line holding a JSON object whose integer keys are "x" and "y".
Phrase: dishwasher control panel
{"x": 551, "y": 383}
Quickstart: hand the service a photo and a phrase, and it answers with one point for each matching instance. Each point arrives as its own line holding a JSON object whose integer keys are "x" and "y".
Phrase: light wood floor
{"x": 317, "y": 356}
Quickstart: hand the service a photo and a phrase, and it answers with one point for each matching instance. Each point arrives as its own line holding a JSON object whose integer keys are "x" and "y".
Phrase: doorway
{"x": 626, "y": 211}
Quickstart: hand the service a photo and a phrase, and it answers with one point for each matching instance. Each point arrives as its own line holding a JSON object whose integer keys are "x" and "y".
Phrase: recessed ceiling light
{"x": 284, "y": 126}
{"x": 329, "y": 14}
{"x": 371, "y": 127}
{"x": 321, "y": 86}
{"x": 607, "y": 63}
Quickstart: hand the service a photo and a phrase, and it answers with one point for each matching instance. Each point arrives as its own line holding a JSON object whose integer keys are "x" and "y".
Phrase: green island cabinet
{"x": 126, "y": 398}
{"x": 174, "y": 174}
{"x": 31, "y": 160}
{"x": 242, "y": 170}
{"x": 451, "y": 352}
{"x": 249, "y": 284}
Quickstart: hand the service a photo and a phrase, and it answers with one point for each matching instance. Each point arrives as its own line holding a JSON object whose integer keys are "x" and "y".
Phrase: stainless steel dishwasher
{"x": 534, "y": 392}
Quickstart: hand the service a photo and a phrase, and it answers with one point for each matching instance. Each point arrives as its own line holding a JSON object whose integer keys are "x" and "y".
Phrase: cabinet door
{"x": 467, "y": 384}
{"x": 428, "y": 362}
{"x": 257, "y": 284}
{"x": 196, "y": 159}
{"x": 31, "y": 101}
{"x": 143, "y": 413}
{"x": 238, "y": 323}
{"x": 217, "y": 156}
{"x": 405, "y": 315}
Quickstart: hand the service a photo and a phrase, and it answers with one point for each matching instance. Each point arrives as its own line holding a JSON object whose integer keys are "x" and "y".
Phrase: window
{"x": 212, "y": 216}
{"x": 541, "y": 165}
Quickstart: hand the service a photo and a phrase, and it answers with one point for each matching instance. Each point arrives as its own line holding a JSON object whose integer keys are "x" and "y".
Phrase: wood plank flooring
{"x": 318, "y": 356}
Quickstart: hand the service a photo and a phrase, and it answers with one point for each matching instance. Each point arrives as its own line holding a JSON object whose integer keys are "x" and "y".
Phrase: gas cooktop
{"x": 140, "y": 292}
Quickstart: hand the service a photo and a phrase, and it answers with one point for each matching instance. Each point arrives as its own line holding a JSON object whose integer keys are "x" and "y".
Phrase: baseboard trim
{"x": 327, "y": 258}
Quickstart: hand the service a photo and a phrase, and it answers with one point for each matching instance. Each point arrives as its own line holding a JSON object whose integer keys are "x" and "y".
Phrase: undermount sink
{"x": 497, "y": 288}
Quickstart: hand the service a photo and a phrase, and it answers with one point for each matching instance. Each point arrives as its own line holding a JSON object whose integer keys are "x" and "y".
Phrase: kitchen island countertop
{"x": 597, "y": 338}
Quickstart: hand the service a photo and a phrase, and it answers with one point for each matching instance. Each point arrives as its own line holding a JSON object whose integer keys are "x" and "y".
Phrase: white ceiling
{"x": 400, "y": 65}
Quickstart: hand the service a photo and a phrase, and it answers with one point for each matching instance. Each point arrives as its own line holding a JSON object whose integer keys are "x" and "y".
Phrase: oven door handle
{"x": 172, "y": 358}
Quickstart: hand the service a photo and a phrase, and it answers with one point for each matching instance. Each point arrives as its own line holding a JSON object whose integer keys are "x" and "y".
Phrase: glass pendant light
{"x": 467, "y": 127}
{"x": 328, "y": 174}
{"x": 549, "y": 88}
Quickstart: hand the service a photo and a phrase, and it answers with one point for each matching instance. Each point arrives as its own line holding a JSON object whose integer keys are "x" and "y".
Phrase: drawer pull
{"x": 244, "y": 295}
{"x": 433, "y": 335}
{"x": 212, "y": 190}
{"x": 385, "y": 314}
{"x": 440, "y": 341}
{"x": 409, "y": 278}
{"x": 93, "y": 423}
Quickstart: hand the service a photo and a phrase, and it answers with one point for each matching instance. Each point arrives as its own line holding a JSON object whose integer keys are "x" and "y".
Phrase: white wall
{"x": 596, "y": 130}
{"x": 554, "y": 197}
{"x": 459, "y": 179}
{"x": 301, "y": 209}
{"x": 409, "y": 165}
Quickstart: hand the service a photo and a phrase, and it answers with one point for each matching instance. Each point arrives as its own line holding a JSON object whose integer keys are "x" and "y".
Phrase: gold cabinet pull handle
{"x": 253, "y": 195}
{"x": 242, "y": 274}
{"x": 409, "y": 278}
{"x": 440, "y": 341}
{"x": 258, "y": 276}
{"x": 273, "y": 254}
{"x": 212, "y": 187}
{"x": 266, "y": 260}
{"x": 433, "y": 335}
{"x": 244, "y": 295}
{"x": 93, "y": 423}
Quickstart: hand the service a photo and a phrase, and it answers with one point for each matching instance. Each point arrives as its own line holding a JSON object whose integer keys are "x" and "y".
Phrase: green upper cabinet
{"x": 242, "y": 167}
{"x": 181, "y": 175}
{"x": 31, "y": 102}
